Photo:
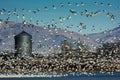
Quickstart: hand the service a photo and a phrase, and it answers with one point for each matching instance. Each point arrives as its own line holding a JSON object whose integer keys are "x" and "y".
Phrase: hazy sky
{"x": 46, "y": 14}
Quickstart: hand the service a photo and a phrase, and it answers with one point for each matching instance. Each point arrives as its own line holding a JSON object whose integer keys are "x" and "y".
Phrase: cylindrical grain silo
{"x": 23, "y": 44}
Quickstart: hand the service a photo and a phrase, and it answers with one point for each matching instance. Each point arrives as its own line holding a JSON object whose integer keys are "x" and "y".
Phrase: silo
{"x": 23, "y": 44}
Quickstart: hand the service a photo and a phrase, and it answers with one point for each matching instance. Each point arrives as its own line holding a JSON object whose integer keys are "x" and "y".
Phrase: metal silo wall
{"x": 23, "y": 45}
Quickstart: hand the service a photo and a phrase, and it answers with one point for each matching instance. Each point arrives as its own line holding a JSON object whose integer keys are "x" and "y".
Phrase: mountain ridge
{"x": 50, "y": 37}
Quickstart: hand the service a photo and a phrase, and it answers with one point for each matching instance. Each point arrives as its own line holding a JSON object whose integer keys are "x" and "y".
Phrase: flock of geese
{"x": 16, "y": 12}
{"x": 21, "y": 14}
{"x": 81, "y": 26}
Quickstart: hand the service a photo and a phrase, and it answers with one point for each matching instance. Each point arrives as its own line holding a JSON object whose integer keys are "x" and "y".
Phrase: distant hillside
{"x": 45, "y": 38}
{"x": 106, "y": 36}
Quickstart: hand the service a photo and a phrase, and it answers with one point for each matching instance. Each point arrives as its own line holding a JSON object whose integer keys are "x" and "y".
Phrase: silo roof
{"x": 23, "y": 33}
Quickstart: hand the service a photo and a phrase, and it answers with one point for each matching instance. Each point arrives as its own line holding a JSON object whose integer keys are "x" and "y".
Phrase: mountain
{"x": 48, "y": 40}
{"x": 44, "y": 38}
{"x": 106, "y": 36}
